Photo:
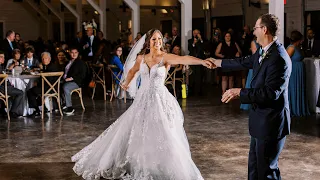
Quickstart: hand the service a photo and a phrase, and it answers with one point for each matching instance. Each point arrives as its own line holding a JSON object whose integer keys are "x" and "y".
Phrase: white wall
{"x": 17, "y": 18}
{"x": 293, "y": 9}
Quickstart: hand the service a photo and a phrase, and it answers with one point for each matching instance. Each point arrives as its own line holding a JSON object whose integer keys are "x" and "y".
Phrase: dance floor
{"x": 33, "y": 149}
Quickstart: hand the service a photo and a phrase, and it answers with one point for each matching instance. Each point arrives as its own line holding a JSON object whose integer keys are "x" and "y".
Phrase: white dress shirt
{"x": 265, "y": 49}
{"x": 91, "y": 41}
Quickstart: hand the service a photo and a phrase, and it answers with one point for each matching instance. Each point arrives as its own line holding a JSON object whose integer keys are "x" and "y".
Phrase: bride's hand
{"x": 208, "y": 64}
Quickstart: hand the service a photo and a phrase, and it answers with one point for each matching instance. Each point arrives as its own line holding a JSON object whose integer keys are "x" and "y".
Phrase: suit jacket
{"x": 197, "y": 50}
{"x": 315, "y": 48}
{"x": 35, "y": 63}
{"x": 270, "y": 114}
{"x": 6, "y": 48}
{"x": 78, "y": 71}
{"x": 94, "y": 45}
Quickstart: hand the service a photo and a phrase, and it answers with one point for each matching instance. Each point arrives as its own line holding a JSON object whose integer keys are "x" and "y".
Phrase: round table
{"x": 24, "y": 83}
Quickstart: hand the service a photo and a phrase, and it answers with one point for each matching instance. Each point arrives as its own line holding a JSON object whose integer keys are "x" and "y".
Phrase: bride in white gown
{"x": 148, "y": 141}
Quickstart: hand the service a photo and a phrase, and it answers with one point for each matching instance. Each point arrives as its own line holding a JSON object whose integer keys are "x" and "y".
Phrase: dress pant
{"x": 17, "y": 96}
{"x": 263, "y": 158}
{"x": 67, "y": 88}
{"x": 33, "y": 94}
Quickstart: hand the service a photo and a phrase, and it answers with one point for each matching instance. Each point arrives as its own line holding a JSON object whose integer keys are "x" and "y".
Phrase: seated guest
{"x": 74, "y": 76}
{"x": 297, "y": 89}
{"x": 17, "y": 105}
{"x": 115, "y": 60}
{"x": 15, "y": 61}
{"x": 36, "y": 91}
{"x": 30, "y": 61}
{"x": 62, "y": 60}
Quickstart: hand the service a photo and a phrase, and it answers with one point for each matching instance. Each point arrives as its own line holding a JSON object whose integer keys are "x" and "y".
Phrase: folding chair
{"x": 97, "y": 69}
{"x": 116, "y": 77}
{"x": 53, "y": 90}
{"x": 171, "y": 79}
{"x": 4, "y": 96}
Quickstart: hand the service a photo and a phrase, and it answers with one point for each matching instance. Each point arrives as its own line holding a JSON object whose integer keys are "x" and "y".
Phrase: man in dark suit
{"x": 196, "y": 49}
{"x": 269, "y": 118}
{"x": 74, "y": 76}
{"x": 17, "y": 104}
{"x": 176, "y": 40}
{"x": 91, "y": 45}
{"x": 35, "y": 92}
{"x": 7, "y": 45}
{"x": 311, "y": 46}
{"x": 30, "y": 61}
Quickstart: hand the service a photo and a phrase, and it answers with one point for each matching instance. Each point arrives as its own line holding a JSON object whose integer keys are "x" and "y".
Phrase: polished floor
{"x": 218, "y": 134}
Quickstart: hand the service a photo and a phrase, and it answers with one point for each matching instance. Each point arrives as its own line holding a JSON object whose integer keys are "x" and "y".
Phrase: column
{"x": 103, "y": 6}
{"x": 44, "y": 16}
{"x": 186, "y": 24}
{"x": 74, "y": 12}
{"x": 59, "y": 15}
{"x": 79, "y": 11}
{"x": 135, "y": 7}
{"x": 102, "y": 15}
{"x": 276, "y": 7}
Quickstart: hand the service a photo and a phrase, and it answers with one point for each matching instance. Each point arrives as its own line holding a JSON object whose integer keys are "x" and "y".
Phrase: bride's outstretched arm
{"x": 132, "y": 72}
{"x": 186, "y": 60}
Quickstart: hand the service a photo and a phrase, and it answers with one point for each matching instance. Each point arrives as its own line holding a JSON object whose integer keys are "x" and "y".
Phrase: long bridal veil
{"x": 130, "y": 61}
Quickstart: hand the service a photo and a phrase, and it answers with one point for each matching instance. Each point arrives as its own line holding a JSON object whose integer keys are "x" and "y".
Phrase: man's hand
{"x": 69, "y": 79}
{"x": 230, "y": 95}
{"x": 199, "y": 36}
{"x": 216, "y": 62}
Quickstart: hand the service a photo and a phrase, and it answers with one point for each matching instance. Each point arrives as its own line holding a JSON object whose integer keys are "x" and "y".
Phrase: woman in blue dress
{"x": 297, "y": 89}
{"x": 254, "y": 47}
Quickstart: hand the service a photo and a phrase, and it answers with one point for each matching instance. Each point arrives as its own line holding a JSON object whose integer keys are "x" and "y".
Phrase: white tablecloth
{"x": 312, "y": 83}
{"x": 23, "y": 82}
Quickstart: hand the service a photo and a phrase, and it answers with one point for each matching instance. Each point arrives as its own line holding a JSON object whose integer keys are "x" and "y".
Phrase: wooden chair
{"x": 116, "y": 77}
{"x": 4, "y": 96}
{"x": 79, "y": 92}
{"x": 171, "y": 79}
{"x": 53, "y": 90}
{"x": 97, "y": 69}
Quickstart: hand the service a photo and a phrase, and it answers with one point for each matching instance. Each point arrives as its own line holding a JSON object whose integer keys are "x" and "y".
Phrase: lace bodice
{"x": 152, "y": 77}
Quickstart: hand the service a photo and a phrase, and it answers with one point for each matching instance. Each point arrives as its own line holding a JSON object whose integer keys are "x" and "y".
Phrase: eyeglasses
{"x": 254, "y": 28}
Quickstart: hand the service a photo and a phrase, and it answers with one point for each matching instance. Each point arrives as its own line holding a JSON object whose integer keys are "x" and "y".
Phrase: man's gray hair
{"x": 46, "y": 53}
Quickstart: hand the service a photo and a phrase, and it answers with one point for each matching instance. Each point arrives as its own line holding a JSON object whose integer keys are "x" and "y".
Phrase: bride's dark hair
{"x": 146, "y": 45}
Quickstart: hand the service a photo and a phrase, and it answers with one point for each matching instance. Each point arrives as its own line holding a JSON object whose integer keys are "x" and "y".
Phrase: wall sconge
{"x": 205, "y": 4}
{"x": 129, "y": 24}
{"x": 265, "y": 1}
{"x": 213, "y": 3}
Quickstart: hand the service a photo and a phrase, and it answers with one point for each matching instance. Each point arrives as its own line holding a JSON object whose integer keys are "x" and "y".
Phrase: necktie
{"x": 29, "y": 62}
{"x": 309, "y": 45}
{"x": 261, "y": 51}
{"x": 11, "y": 44}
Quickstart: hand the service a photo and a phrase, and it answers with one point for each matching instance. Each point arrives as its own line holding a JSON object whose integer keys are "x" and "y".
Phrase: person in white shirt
{"x": 91, "y": 45}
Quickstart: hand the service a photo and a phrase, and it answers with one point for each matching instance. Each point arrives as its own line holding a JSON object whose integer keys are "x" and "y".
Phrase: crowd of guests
{"x": 72, "y": 58}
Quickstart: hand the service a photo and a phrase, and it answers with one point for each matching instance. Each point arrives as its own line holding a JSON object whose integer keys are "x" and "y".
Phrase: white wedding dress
{"x": 147, "y": 142}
